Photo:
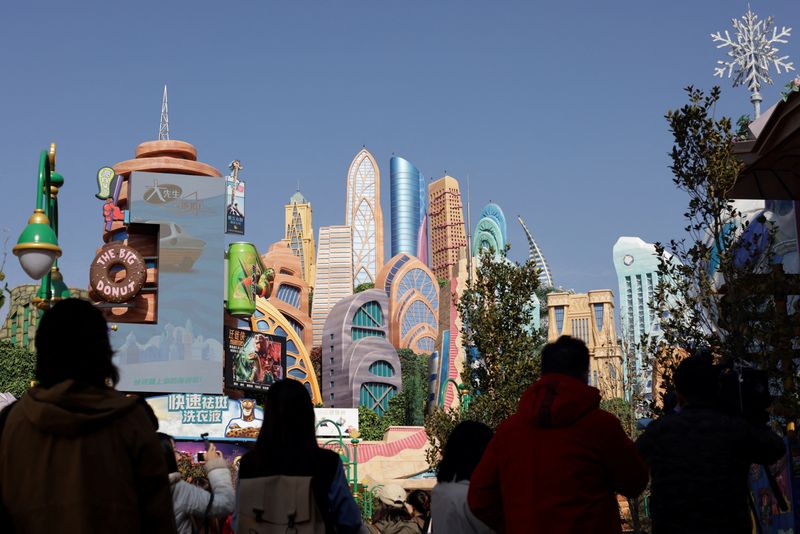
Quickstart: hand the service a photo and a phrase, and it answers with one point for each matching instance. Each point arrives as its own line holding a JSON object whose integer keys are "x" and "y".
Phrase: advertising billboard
{"x": 187, "y": 415}
{"x": 234, "y": 209}
{"x": 183, "y": 351}
{"x": 253, "y": 360}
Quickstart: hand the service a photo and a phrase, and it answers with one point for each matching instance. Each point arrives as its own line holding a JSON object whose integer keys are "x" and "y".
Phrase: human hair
{"x": 72, "y": 343}
{"x": 420, "y": 501}
{"x": 202, "y": 482}
{"x": 168, "y": 448}
{"x": 567, "y": 356}
{"x": 696, "y": 379}
{"x": 288, "y": 420}
{"x": 463, "y": 451}
{"x": 390, "y": 513}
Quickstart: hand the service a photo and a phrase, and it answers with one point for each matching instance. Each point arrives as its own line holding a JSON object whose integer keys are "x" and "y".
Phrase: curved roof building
{"x": 405, "y": 182}
{"x": 289, "y": 290}
{"x": 359, "y": 365}
{"x": 491, "y": 230}
{"x": 365, "y": 217}
{"x": 413, "y": 293}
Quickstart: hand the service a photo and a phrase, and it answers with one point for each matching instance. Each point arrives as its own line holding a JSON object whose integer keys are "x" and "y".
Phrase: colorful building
{"x": 413, "y": 293}
{"x": 22, "y": 319}
{"x": 446, "y": 221}
{"x": 334, "y": 276}
{"x": 407, "y": 213}
{"x": 365, "y": 217}
{"x": 536, "y": 255}
{"x": 491, "y": 232}
{"x": 636, "y": 263}
{"x": 300, "y": 234}
{"x": 590, "y": 317}
{"x": 289, "y": 290}
{"x": 359, "y": 365}
{"x": 268, "y": 319}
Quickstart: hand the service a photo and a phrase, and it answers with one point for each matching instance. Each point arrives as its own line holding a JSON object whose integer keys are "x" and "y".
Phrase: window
{"x": 376, "y": 396}
{"x": 331, "y": 351}
{"x": 559, "y": 312}
{"x": 381, "y": 368}
{"x": 598, "y": 316}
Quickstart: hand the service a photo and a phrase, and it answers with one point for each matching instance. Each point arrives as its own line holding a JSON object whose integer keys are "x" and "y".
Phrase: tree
{"x": 408, "y": 407}
{"x": 502, "y": 349}
{"x": 17, "y": 366}
{"x": 370, "y": 425}
{"x": 316, "y": 363}
{"x": 363, "y": 287}
{"x": 715, "y": 289}
{"x": 501, "y": 346}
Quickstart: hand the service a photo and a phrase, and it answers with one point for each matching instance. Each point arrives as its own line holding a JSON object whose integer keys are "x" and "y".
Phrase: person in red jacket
{"x": 557, "y": 464}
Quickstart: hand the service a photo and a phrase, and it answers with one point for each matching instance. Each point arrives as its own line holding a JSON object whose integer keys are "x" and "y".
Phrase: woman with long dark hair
{"x": 287, "y": 447}
{"x": 76, "y": 455}
{"x": 462, "y": 453}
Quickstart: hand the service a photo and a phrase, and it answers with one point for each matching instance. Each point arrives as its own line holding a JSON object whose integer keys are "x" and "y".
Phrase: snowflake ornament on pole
{"x": 752, "y": 53}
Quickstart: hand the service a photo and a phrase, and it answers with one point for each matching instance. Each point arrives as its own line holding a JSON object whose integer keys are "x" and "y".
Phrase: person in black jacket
{"x": 699, "y": 459}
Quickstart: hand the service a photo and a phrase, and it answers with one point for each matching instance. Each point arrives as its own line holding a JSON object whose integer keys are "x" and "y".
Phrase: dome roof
{"x": 298, "y": 198}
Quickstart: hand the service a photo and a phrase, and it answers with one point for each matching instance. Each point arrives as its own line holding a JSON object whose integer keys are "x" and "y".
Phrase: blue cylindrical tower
{"x": 405, "y": 183}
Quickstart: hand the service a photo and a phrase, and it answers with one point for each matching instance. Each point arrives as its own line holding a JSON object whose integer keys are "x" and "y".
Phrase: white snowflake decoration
{"x": 752, "y": 53}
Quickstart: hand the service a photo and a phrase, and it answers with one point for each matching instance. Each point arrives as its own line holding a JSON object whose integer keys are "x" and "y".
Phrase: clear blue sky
{"x": 555, "y": 110}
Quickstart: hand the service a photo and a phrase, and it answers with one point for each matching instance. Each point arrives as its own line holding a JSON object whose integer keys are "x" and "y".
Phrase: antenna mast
{"x": 163, "y": 129}
{"x": 469, "y": 235}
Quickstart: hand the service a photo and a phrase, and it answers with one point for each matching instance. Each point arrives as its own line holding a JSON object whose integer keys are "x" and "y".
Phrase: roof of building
{"x": 298, "y": 198}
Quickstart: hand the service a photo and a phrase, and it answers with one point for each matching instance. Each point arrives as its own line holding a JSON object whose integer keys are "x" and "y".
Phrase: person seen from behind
{"x": 420, "y": 503}
{"x": 75, "y": 454}
{"x": 699, "y": 458}
{"x": 557, "y": 464}
{"x": 287, "y": 449}
{"x": 394, "y": 514}
{"x": 450, "y": 513}
{"x": 191, "y": 503}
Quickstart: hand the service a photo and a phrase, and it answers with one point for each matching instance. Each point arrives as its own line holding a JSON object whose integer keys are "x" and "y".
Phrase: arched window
{"x": 289, "y": 294}
{"x": 368, "y": 321}
{"x": 376, "y": 395}
{"x": 382, "y": 368}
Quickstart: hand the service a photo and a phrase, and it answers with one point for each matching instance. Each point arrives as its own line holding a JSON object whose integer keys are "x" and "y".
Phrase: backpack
{"x": 278, "y": 504}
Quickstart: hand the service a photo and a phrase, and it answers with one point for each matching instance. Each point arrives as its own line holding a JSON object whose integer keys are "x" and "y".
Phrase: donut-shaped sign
{"x": 103, "y": 281}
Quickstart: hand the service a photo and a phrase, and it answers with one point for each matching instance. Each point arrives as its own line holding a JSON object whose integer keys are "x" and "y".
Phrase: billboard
{"x": 234, "y": 206}
{"x": 346, "y": 419}
{"x": 187, "y": 415}
{"x": 253, "y": 360}
{"x": 183, "y": 351}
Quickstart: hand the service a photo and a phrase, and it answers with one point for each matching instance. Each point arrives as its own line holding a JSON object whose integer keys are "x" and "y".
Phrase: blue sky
{"x": 554, "y": 111}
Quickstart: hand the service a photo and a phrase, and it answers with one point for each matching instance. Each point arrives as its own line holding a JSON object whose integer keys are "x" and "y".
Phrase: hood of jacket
{"x": 70, "y": 408}
{"x": 557, "y": 400}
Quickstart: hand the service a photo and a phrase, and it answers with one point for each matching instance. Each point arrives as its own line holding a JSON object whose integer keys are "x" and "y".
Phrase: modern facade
{"x": 446, "y": 216}
{"x": 334, "y": 275}
{"x": 413, "y": 293}
{"x": 289, "y": 290}
{"x": 365, "y": 217}
{"x": 359, "y": 365}
{"x": 536, "y": 255}
{"x": 22, "y": 320}
{"x": 268, "y": 319}
{"x": 590, "y": 317}
{"x": 491, "y": 232}
{"x": 636, "y": 263}
{"x": 300, "y": 234}
{"x": 407, "y": 213}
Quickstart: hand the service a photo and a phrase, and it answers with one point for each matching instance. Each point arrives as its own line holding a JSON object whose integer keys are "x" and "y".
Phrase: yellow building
{"x": 300, "y": 235}
{"x": 446, "y": 214}
{"x": 590, "y": 317}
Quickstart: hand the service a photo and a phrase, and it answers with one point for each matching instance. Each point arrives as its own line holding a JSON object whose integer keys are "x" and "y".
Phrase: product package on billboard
{"x": 253, "y": 361}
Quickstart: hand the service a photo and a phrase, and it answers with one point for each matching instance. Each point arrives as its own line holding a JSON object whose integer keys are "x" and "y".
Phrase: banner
{"x": 253, "y": 360}
{"x": 234, "y": 220}
{"x": 187, "y": 415}
{"x": 345, "y": 418}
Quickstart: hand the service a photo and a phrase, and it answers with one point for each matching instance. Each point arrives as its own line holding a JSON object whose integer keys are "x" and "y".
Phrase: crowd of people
{"x": 78, "y": 456}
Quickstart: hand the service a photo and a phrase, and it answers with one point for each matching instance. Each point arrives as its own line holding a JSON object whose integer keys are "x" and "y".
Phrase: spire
{"x": 163, "y": 129}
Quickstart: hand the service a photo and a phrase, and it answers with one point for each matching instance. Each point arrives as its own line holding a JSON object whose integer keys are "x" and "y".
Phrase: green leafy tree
{"x": 363, "y": 287}
{"x": 408, "y": 407}
{"x": 370, "y": 425}
{"x": 716, "y": 288}
{"x": 17, "y": 366}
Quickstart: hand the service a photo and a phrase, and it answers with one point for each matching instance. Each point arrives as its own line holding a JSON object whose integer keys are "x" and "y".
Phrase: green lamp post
{"x": 37, "y": 247}
{"x": 463, "y": 395}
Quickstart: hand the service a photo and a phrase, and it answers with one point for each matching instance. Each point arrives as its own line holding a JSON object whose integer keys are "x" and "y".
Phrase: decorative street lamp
{"x": 37, "y": 247}
{"x": 463, "y": 395}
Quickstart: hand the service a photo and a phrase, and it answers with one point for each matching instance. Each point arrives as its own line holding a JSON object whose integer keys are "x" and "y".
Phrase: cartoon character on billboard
{"x": 246, "y": 426}
{"x": 266, "y": 361}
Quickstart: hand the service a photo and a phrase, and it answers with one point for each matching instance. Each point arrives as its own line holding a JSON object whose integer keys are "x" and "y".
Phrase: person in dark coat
{"x": 699, "y": 459}
{"x": 75, "y": 454}
{"x": 557, "y": 464}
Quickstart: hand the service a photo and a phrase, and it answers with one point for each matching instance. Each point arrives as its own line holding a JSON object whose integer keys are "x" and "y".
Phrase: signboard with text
{"x": 187, "y": 415}
{"x": 234, "y": 194}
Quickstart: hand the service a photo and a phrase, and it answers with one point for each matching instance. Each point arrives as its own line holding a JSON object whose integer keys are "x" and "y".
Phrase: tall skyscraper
{"x": 405, "y": 181}
{"x": 491, "y": 230}
{"x": 300, "y": 234}
{"x": 365, "y": 217}
{"x": 536, "y": 255}
{"x": 334, "y": 279}
{"x": 636, "y": 263}
{"x": 590, "y": 317}
{"x": 446, "y": 220}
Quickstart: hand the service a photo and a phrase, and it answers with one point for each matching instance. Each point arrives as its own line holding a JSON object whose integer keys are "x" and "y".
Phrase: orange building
{"x": 446, "y": 225}
{"x": 413, "y": 294}
{"x": 289, "y": 290}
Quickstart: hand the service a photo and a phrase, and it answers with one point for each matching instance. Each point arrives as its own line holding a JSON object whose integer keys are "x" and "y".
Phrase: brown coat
{"x": 76, "y": 458}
